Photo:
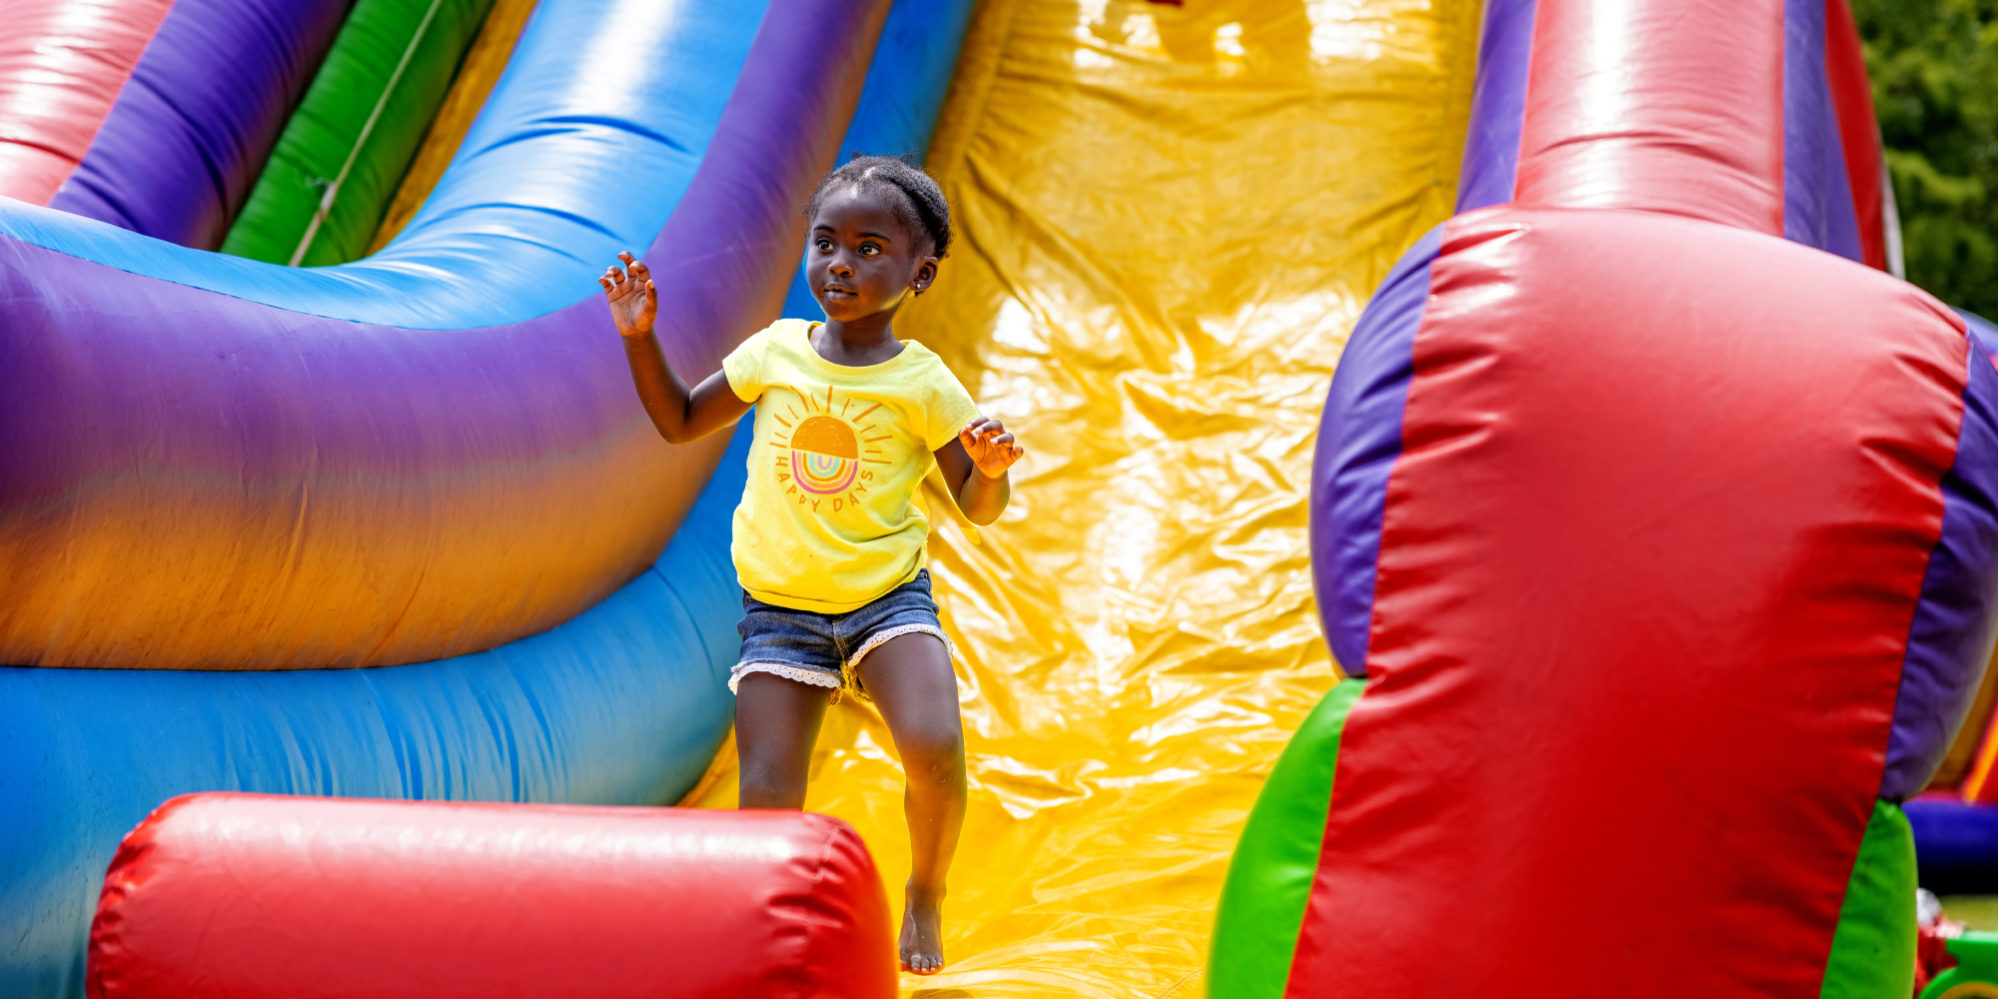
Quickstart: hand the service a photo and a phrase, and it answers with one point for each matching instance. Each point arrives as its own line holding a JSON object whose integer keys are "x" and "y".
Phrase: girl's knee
{"x": 933, "y": 754}
{"x": 765, "y": 786}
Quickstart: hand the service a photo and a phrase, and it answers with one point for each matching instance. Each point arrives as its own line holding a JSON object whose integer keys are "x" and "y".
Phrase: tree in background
{"x": 1934, "y": 65}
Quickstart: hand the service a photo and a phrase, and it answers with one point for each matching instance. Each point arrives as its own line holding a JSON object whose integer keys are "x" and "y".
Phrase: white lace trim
{"x": 846, "y": 679}
{"x": 817, "y": 678}
{"x": 875, "y": 640}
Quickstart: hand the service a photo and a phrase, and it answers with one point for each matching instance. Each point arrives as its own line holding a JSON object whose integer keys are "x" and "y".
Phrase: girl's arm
{"x": 975, "y": 464}
{"x": 680, "y": 415}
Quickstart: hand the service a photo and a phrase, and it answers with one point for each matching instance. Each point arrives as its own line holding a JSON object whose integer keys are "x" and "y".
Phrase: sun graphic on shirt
{"x": 827, "y": 448}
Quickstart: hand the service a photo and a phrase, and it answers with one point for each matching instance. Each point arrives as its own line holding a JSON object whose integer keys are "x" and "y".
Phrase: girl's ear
{"x": 926, "y": 273}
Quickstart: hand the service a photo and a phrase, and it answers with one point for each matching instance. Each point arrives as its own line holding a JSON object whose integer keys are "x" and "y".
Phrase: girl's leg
{"x": 776, "y": 722}
{"x": 910, "y": 680}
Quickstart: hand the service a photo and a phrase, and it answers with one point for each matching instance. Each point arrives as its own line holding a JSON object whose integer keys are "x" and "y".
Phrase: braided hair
{"x": 920, "y": 205}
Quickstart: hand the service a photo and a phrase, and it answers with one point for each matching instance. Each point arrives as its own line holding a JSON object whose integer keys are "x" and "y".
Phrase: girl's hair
{"x": 920, "y": 204}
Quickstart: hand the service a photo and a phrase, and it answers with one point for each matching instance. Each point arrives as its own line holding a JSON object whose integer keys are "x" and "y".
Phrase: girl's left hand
{"x": 990, "y": 446}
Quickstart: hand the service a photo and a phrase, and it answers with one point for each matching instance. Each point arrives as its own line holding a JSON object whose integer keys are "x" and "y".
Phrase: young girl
{"x": 829, "y": 542}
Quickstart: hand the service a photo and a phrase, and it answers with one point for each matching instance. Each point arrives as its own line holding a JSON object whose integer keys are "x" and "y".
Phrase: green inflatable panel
{"x": 1976, "y": 973}
{"x": 338, "y": 162}
{"x": 1269, "y": 881}
{"x": 1873, "y": 949}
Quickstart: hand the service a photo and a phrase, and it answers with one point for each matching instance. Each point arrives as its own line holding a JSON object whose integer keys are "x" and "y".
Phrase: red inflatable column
{"x": 272, "y": 897}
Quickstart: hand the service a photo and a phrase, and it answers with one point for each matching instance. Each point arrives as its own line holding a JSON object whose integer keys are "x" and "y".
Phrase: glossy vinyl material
{"x": 534, "y": 197}
{"x": 268, "y": 897}
{"x": 1498, "y": 105}
{"x": 62, "y": 64}
{"x": 1970, "y": 767}
{"x": 1632, "y": 105}
{"x": 1567, "y": 709}
{"x": 1966, "y": 767}
{"x": 469, "y": 90}
{"x": 1949, "y": 643}
{"x": 624, "y": 704}
{"x": 1859, "y": 139}
{"x": 1369, "y": 392}
{"x": 1270, "y": 877}
{"x": 177, "y": 153}
{"x": 1831, "y": 166}
{"x": 1582, "y": 444}
{"x": 319, "y": 198}
{"x": 1170, "y": 217}
{"x": 1873, "y": 951}
{"x": 281, "y": 490}
{"x": 1818, "y": 205}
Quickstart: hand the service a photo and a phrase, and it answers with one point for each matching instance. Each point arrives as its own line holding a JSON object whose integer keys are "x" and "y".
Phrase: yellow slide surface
{"x": 1170, "y": 218}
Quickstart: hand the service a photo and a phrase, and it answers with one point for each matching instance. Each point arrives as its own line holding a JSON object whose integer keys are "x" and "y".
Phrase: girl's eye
{"x": 822, "y": 245}
{"x": 869, "y": 249}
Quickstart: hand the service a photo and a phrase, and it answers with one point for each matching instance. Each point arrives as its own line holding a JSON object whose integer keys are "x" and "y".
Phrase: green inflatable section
{"x": 338, "y": 162}
{"x": 1976, "y": 973}
{"x": 1873, "y": 949}
{"x": 1269, "y": 881}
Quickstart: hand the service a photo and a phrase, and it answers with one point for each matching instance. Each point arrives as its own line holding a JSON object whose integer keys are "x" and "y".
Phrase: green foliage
{"x": 1934, "y": 65}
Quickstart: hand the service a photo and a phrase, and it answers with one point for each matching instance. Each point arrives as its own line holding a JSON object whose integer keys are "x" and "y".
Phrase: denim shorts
{"x": 824, "y": 649}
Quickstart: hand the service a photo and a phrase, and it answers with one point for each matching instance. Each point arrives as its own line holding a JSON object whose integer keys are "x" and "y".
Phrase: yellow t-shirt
{"x": 829, "y": 519}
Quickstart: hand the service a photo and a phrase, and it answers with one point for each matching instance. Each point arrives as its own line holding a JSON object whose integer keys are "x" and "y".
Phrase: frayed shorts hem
{"x": 846, "y": 678}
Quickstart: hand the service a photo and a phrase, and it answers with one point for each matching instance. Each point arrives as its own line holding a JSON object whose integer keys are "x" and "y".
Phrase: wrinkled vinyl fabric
{"x": 275, "y": 897}
{"x": 1170, "y": 219}
{"x": 177, "y": 153}
{"x": 1681, "y": 574}
{"x": 625, "y": 702}
{"x": 62, "y": 65}
{"x": 333, "y": 171}
{"x": 474, "y": 82}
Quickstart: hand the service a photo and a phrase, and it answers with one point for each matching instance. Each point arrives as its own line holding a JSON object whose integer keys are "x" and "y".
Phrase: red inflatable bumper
{"x": 272, "y": 897}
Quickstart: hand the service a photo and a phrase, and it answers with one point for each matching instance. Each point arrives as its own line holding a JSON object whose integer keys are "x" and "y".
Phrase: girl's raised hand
{"x": 634, "y": 302}
{"x": 990, "y": 446}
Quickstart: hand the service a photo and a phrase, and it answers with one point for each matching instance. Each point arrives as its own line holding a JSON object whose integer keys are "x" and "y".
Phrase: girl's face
{"x": 861, "y": 260}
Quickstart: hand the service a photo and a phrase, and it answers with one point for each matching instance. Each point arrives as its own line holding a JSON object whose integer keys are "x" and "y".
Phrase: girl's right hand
{"x": 634, "y": 302}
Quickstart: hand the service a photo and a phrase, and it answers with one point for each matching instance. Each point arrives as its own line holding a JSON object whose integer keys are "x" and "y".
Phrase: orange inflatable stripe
{"x": 1979, "y": 788}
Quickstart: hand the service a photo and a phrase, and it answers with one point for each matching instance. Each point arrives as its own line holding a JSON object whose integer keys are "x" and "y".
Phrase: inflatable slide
{"x": 1661, "y": 524}
{"x": 396, "y": 527}
{"x": 229, "y": 484}
{"x": 1172, "y": 217}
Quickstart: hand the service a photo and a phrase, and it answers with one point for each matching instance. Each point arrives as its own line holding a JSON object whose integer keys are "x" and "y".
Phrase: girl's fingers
{"x": 651, "y": 294}
{"x": 625, "y": 255}
{"x": 1002, "y": 439}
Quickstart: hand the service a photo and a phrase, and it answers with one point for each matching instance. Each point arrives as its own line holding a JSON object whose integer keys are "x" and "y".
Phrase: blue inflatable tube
{"x": 1956, "y": 846}
{"x": 538, "y": 195}
{"x": 625, "y": 703}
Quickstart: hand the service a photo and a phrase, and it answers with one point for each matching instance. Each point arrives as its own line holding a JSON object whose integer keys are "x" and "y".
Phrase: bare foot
{"x": 922, "y": 931}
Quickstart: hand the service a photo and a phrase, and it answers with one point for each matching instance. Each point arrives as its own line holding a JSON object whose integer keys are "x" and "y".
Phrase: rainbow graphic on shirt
{"x": 824, "y": 449}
